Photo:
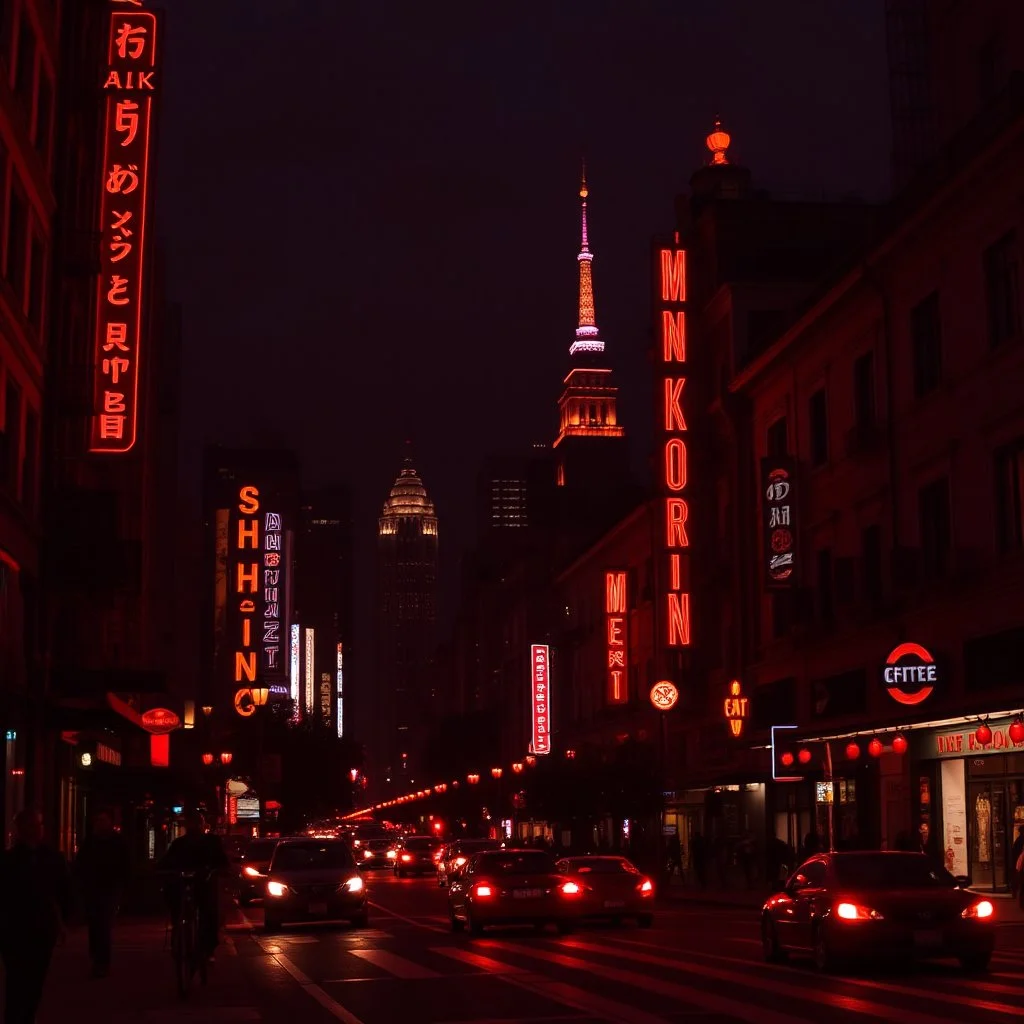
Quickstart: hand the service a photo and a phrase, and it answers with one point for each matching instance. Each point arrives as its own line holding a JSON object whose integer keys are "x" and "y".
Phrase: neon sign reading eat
{"x": 616, "y": 636}
{"x": 672, "y": 365}
{"x": 128, "y": 101}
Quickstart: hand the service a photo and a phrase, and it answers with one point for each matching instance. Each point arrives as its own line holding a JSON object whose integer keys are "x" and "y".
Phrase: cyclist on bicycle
{"x": 201, "y": 854}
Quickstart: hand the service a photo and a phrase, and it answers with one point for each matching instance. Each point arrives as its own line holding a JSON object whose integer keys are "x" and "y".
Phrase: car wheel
{"x": 361, "y": 920}
{"x": 271, "y": 925}
{"x": 773, "y": 952}
{"x": 645, "y": 920}
{"x": 565, "y": 927}
{"x": 824, "y": 961}
{"x": 457, "y": 924}
{"x": 975, "y": 963}
{"x": 475, "y": 927}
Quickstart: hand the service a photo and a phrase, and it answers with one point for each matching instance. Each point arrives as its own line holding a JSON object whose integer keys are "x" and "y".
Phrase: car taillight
{"x": 483, "y": 891}
{"x": 406, "y": 858}
{"x": 459, "y": 861}
{"x": 354, "y": 884}
{"x": 646, "y": 887}
{"x": 367, "y": 854}
{"x": 571, "y": 889}
{"x": 392, "y": 854}
{"x": 252, "y": 872}
{"x": 980, "y": 910}
{"x": 855, "y": 912}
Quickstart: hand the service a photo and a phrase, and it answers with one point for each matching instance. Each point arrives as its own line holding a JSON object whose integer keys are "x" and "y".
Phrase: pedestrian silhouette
{"x": 33, "y": 911}
{"x": 101, "y": 871}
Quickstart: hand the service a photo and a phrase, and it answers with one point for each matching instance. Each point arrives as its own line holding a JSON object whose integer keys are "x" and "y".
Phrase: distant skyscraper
{"x": 406, "y": 628}
{"x": 590, "y": 443}
{"x": 513, "y": 491}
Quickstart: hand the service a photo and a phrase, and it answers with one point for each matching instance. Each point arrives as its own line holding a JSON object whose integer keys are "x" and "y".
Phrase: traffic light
{"x": 794, "y": 759}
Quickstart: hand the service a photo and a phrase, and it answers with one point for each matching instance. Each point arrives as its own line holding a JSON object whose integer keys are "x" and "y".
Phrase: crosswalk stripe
{"x": 485, "y": 963}
{"x": 763, "y": 984}
{"x": 396, "y": 965}
{"x": 587, "y": 1002}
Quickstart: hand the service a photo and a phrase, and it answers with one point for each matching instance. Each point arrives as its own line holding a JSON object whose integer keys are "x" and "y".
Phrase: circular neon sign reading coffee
{"x": 910, "y": 674}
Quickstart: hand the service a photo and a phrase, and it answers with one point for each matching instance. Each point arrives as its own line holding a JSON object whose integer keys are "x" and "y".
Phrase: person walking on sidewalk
{"x": 101, "y": 871}
{"x": 36, "y": 904}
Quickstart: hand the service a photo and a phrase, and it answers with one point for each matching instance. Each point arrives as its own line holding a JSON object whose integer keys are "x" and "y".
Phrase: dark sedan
{"x": 376, "y": 853}
{"x": 612, "y": 887}
{"x": 416, "y": 855}
{"x": 313, "y": 880}
{"x": 842, "y": 907}
{"x": 252, "y": 870}
{"x": 513, "y": 887}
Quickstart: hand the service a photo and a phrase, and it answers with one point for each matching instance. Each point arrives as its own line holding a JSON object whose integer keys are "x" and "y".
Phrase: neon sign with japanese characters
{"x": 670, "y": 358}
{"x": 128, "y": 88}
{"x": 273, "y": 599}
{"x": 540, "y": 684}
{"x": 616, "y": 636}
{"x": 244, "y": 583}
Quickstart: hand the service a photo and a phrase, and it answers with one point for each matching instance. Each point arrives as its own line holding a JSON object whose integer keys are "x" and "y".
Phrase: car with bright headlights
{"x": 892, "y": 906}
{"x": 252, "y": 869}
{"x": 456, "y": 856}
{"x": 372, "y": 854}
{"x": 416, "y": 855}
{"x": 313, "y": 880}
{"x": 611, "y": 887}
{"x": 513, "y": 887}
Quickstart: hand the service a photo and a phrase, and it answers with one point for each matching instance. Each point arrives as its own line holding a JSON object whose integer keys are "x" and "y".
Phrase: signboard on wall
{"x": 778, "y": 510}
{"x": 616, "y": 636}
{"x": 540, "y": 683}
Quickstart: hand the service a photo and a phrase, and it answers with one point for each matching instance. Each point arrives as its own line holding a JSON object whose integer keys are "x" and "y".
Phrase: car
{"x": 512, "y": 887}
{"x": 375, "y": 853}
{"x": 456, "y": 855}
{"x": 313, "y": 880}
{"x": 252, "y": 869}
{"x": 848, "y": 906}
{"x": 613, "y": 887}
{"x": 416, "y": 855}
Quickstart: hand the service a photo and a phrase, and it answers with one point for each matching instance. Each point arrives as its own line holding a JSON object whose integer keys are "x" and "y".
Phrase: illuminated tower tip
{"x": 718, "y": 142}
{"x": 587, "y": 339}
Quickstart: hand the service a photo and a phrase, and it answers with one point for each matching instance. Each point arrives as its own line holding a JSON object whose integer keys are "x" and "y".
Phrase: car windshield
{"x": 311, "y": 856}
{"x": 891, "y": 871}
{"x": 262, "y": 849}
{"x": 603, "y": 866}
{"x": 528, "y": 863}
{"x": 420, "y": 844}
{"x": 379, "y": 844}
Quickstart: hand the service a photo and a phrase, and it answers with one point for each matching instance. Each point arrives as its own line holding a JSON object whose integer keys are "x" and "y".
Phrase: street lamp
{"x": 496, "y": 772}
{"x": 517, "y": 767}
{"x": 260, "y": 695}
{"x": 571, "y": 754}
{"x": 207, "y": 758}
{"x": 473, "y": 778}
{"x": 207, "y": 710}
{"x": 226, "y": 756}
{"x": 531, "y": 760}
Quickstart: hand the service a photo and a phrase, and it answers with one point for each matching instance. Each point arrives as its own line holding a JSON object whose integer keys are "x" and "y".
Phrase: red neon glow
{"x": 129, "y": 89}
{"x": 616, "y": 636}
{"x": 247, "y": 575}
{"x": 926, "y": 673}
{"x": 160, "y": 750}
{"x": 540, "y": 670}
{"x": 672, "y": 420}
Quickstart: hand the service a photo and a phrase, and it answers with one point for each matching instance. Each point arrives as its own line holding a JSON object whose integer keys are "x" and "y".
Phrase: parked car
{"x": 613, "y": 887}
{"x": 839, "y": 907}
{"x": 456, "y": 856}
{"x": 252, "y": 869}
{"x": 503, "y": 887}
{"x": 313, "y": 880}
{"x": 416, "y": 855}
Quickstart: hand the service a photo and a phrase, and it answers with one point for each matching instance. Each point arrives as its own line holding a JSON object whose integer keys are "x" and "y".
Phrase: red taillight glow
{"x": 483, "y": 891}
{"x": 252, "y": 872}
{"x": 981, "y": 910}
{"x": 853, "y": 912}
{"x": 459, "y": 861}
{"x": 406, "y": 858}
{"x": 646, "y": 886}
{"x": 571, "y": 889}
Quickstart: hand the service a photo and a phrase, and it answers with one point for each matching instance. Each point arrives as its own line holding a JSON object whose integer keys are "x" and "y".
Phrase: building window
{"x": 926, "y": 339}
{"x": 11, "y": 444}
{"x": 17, "y": 230}
{"x": 871, "y": 545}
{"x": 1002, "y": 290}
{"x": 826, "y": 595}
{"x": 935, "y": 526}
{"x": 25, "y": 58}
{"x": 30, "y": 464}
{"x": 864, "y": 390}
{"x": 818, "y": 411}
{"x": 778, "y": 438}
{"x": 1010, "y": 496}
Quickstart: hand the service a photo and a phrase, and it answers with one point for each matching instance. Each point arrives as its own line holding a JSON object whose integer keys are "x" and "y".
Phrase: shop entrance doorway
{"x": 995, "y": 813}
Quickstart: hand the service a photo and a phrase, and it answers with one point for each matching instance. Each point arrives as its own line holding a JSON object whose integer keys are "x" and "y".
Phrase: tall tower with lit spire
{"x": 590, "y": 441}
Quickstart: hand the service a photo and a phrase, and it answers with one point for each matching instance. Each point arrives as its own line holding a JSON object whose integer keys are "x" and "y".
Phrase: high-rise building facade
{"x": 323, "y": 602}
{"x": 407, "y": 591}
{"x": 590, "y": 446}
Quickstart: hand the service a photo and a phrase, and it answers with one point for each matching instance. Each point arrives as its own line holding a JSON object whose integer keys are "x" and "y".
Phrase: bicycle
{"x": 189, "y": 958}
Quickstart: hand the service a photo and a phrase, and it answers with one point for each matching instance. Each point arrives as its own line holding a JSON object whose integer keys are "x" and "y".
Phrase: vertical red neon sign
{"x": 128, "y": 107}
{"x": 540, "y": 676}
{"x": 616, "y": 636}
{"x": 671, "y": 361}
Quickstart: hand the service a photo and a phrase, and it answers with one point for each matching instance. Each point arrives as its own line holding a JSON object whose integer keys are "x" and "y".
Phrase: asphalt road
{"x": 698, "y": 964}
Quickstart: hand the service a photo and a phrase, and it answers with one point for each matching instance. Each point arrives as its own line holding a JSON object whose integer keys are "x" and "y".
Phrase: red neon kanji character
{"x": 126, "y": 119}
{"x": 119, "y": 175}
{"x": 117, "y": 294}
{"x": 113, "y": 401}
{"x": 112, "y": 427}
{"x": 120, "y": 223}
{"x": 113, "y": 368}
{"x": 130, "y": 41}
{"x": 117, "y": 337}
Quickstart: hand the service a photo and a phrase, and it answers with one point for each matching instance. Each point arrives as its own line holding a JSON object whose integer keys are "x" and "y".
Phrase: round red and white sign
{"x": 910, "y": 674}
{"x": 664, "y": 695}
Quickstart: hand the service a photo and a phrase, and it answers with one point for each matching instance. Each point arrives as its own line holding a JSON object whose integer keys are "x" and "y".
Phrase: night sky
{"x": 369, "y": 208}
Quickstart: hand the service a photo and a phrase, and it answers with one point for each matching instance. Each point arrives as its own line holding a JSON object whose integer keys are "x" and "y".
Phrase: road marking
{"x": 396, "y": 965}
{"x": 762, "y": 983}
{"x": 409, "y": 920}
{"x": 569, "y": 995}
{"x": 485, "y": 963}
{"x": 314, "y": 991}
